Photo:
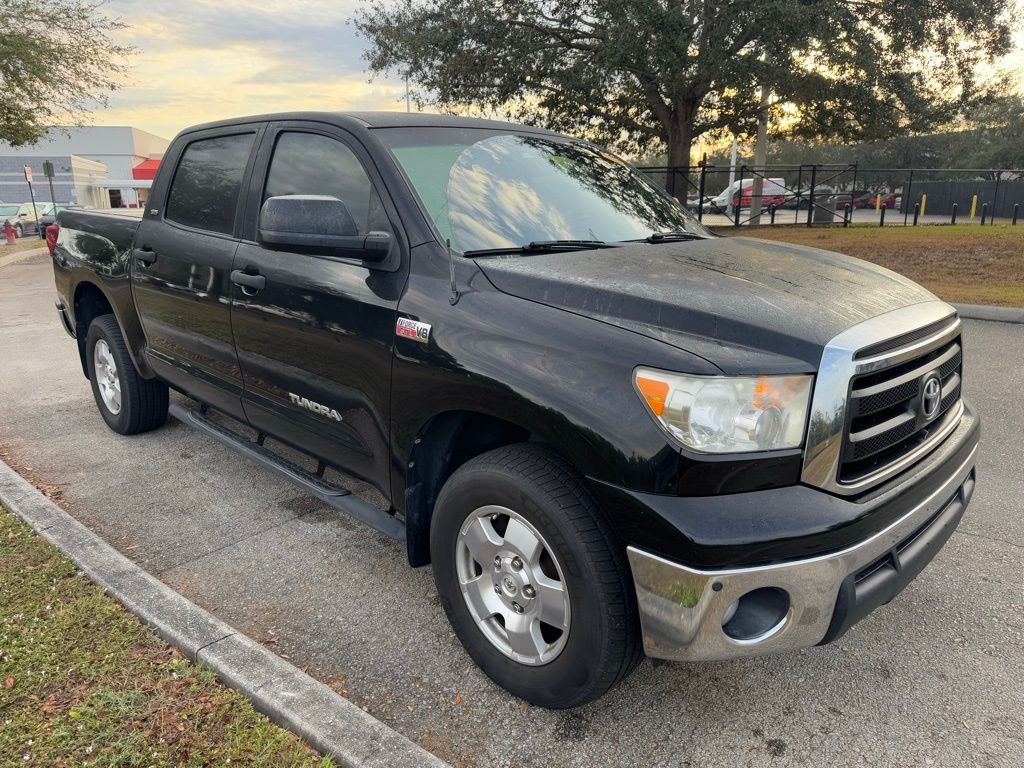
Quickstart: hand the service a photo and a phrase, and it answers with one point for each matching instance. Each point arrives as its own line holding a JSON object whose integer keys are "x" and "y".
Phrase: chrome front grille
{"x": 867, "y": 420}
{"x": 885, "y": 411}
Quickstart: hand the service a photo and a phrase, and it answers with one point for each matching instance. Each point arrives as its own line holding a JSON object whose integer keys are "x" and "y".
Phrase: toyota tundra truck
{"x": 608, "y": 431}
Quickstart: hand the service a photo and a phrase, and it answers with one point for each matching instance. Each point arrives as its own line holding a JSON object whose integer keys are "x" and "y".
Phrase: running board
{"x": 333, "y": 495}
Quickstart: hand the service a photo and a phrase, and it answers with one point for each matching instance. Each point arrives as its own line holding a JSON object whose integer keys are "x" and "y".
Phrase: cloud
{"x": 200, "y": 60}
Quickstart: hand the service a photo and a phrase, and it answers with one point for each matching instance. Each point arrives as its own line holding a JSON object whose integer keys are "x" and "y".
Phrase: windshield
{"x": 486, "y": 189}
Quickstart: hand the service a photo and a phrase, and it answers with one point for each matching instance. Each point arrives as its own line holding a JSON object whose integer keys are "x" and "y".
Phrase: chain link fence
{"x": 816, "y": 194}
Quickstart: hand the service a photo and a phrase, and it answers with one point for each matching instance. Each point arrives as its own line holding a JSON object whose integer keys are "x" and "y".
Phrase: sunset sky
{"x": 202, "y": 60}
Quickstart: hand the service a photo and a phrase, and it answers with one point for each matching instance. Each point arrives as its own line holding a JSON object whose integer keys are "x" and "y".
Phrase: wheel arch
{"x": 442, "y": 445}
{"x": 89, "y": 301}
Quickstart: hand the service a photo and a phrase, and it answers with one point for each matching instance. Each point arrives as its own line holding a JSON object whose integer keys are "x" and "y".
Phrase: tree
{"x": 633, "y": 72}
{"x": 57, "y": 63}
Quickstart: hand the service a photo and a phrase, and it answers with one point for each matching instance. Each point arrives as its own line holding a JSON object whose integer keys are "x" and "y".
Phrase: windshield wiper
{"x": 674, "y": 235}
{"x": 542, "y": 246}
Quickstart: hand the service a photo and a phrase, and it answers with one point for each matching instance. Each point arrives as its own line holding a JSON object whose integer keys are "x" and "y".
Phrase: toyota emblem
{"x": 931, "y": 396}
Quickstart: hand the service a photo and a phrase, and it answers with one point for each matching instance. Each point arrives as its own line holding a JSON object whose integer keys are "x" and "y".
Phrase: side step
{"x": 333, "y": 495}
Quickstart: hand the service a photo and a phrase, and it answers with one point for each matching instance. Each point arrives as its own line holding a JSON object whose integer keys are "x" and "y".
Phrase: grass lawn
{"x": 83, "y": 683}
{"x": 962, "y": 263}
{"x": 25, "y": 244}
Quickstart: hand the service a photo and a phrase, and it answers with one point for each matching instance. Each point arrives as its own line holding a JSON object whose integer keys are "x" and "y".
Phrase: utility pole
{"x": 760, "y": 158}
{"x": 48, "y": 172}
{"x": 407, "y": 92}
{"x": 732, "y": 162}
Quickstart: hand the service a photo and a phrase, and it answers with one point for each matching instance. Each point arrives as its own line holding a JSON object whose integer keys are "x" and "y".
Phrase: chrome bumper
{"x": 682, "y": 609}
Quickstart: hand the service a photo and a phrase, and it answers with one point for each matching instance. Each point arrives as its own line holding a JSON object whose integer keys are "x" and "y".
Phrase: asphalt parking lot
{"x": 935, "y": 678}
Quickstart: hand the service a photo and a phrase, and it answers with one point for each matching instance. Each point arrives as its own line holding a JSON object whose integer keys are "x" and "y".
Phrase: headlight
{"x": 727, "y": 414}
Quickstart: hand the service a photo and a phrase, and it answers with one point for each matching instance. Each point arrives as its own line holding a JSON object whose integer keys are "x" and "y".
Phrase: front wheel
{"x": 531, "y": 578}
{"x": 127, "y": 402}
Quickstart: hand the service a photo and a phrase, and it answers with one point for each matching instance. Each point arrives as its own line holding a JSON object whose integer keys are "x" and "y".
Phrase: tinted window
{"x": 204, "y": 193}
{"x": 312, "y": 164}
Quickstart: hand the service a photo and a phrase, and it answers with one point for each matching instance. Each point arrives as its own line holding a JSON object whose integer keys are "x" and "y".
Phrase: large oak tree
{"x": 633, "y": 72}
{"x": 58, "y": 62}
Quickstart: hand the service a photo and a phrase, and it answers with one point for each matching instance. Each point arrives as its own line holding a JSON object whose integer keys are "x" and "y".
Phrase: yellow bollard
{"x": 974, "y": 206}
{"x": 878, "y": 202}
{"x": 924, "y": 202}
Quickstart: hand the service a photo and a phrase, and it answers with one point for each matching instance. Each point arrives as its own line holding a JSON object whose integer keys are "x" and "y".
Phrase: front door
{"x": 314, "y": 343}
{"x": 181, "y": 269}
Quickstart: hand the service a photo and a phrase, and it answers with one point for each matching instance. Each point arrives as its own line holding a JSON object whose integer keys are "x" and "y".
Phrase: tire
{"x": 526, "y": 488}
{"x": 141, "y": 404}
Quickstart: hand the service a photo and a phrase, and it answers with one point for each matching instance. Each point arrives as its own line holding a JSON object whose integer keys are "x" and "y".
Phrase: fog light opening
{"x": 756, "y": 615}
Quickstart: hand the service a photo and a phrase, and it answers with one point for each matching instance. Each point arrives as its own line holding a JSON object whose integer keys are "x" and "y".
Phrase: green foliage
{"x": 987, "y": 137}
{"x": 57, "y": 63}
{"x": 633, "y": 72}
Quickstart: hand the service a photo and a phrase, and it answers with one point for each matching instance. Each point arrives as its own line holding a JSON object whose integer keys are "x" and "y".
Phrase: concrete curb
{"x": 995, "y": 314}
{"x": 326, "y": 721}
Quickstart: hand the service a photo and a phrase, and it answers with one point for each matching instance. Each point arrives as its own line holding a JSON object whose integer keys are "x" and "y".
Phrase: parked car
{"x": 607, "y": 430}
{"x": 773, "y": 192}
{"x": 860, "y": 198}
{"x": 693, "y": 203}
{"x": 50, "y": 217}
{"x": 9, "y": 215}
{"x": 800, "y": 199}
{"x": 891, "y": 201}
{"x": 23, "y": 216}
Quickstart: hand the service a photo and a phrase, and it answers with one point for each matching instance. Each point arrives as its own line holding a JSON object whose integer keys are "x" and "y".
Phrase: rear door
{"x": 182, "y": 259}
{"x": 315, "y": 342}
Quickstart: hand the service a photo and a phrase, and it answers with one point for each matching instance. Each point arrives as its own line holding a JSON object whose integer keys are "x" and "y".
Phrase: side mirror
{"x": 318, "y": 224}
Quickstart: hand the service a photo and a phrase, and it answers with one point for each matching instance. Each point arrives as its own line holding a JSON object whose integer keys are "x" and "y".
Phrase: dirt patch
{"x": 963, "y": 263}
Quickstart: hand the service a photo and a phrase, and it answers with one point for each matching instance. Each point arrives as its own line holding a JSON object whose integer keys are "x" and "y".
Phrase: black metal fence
{"x": 817, "y": 194}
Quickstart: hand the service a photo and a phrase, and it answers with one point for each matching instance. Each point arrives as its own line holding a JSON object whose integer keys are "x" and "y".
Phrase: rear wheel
{"x": 531, "y": 578}
{"x": 127, "y": 402}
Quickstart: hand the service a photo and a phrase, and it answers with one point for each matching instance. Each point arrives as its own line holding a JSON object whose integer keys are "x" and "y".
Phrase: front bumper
{"x": 797, "y": 603}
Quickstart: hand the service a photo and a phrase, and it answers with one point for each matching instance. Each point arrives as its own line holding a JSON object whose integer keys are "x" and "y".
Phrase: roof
{"x": 380, "y": 120}
{"x": 122, "y": 184}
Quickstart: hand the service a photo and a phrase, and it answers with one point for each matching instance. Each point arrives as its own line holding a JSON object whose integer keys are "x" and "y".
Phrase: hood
{"x": 744, "y": 304}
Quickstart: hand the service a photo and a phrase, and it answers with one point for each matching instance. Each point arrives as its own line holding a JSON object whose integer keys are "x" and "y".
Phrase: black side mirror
{"x": 318, "y": 224}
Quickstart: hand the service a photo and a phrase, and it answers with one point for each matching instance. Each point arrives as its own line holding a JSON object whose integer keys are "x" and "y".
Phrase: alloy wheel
{"x": 513, "y": 585}
{"x": 107, "y": 380}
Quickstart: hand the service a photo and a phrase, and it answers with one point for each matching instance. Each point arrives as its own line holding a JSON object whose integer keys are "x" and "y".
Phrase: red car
{"x": 865, "y": 199}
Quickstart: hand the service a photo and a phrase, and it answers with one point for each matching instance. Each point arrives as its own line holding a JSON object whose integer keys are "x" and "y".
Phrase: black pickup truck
{"x": 608, "y": 430}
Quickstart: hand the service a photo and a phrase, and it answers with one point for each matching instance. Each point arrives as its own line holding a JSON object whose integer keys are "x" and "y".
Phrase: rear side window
{"x": 314, "y": 164}
{"x": 207, "y": 182}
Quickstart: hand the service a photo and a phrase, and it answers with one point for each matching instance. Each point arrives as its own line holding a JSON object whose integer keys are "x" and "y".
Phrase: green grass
{"x": 83, "y": 683}
{"x": 963, "y": 263}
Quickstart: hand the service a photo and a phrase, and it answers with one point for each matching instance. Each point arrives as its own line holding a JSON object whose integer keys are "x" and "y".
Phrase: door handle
{"x": 245, "y": 280}
{"x": 145, "y": 255}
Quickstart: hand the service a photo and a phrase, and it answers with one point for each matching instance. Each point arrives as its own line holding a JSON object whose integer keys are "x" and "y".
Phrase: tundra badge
{"x": 309, "y": 405}
{"x": 413, "y": 329}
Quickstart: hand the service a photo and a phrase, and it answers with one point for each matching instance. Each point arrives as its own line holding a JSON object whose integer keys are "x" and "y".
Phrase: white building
{"x": 76, "y": 153}
{"x": 76, "y": 180}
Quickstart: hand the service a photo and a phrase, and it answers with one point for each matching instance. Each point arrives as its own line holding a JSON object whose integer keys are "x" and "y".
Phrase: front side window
{"x": 488, "y": 189}
{"x": 207, "y": 183}
{"x": 314, "y": 164}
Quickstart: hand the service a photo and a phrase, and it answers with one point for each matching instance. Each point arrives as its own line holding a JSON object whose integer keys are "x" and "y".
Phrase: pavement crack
{"x": 228, "y": 545}
{"x": 202, "y": 648}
